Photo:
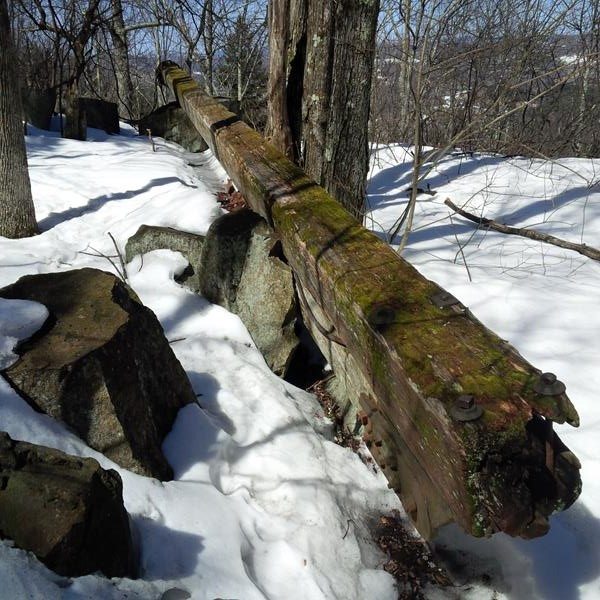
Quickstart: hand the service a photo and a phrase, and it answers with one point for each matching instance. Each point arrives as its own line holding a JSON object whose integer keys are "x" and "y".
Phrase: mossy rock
{"x": 101, "y": 364}
{"x": 67, "y": 510}
{"x": 148, "y": 238}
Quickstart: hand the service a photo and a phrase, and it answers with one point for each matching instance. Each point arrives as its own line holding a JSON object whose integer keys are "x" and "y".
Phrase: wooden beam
{"x": 408, "y": 353}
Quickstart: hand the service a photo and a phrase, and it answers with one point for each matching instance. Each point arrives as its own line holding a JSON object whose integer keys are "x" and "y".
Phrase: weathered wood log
{"x": 540, "y": 236}
{"x": 409, "y": 352}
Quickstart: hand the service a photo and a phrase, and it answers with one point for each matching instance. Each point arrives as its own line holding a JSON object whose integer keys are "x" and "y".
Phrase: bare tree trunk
{"x": 322, "y": 54}
{"x": 287, "y": 41}
{"x": 17, "y": 214}
{"x": 118, "y": 35}
{"x": 209, "y": 48}
{"x": 75, "y": 122}
{"x": 337, "y": 94}
{"x": 405, "y": 71}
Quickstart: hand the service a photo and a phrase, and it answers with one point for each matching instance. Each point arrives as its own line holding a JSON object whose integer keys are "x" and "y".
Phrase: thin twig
{"x": 348, "y": 528}
{"x": 460, "y": 249}
{"x": 105, "y": 256}
{"x": 123, "y": 267}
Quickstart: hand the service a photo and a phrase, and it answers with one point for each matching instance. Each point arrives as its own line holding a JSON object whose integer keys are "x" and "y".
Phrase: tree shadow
{"x": 157, "y": 539}
{"x": 568, "y": 556}
{"x": 400, "y": 175}
{"x": 95, "y": 204}
{"x": 540, "y": 207}
{"x": 193, "y": 304}
{"x": 207, "y": 388}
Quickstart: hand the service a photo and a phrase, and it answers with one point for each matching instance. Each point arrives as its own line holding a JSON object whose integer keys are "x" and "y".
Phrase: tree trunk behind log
{"x": 17, "y": 215}
{"x": 75, "y": 122}
{"x": 319, "y": 90}
{"x": 339, "y": 67}
{"x": 287, "y": 42}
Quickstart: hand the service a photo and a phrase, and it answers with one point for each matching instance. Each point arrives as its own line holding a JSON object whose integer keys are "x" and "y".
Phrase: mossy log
{"x": 408, "y": 360}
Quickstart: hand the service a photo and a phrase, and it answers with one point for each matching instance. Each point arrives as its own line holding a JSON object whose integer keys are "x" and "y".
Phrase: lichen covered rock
{"x": 242, "y": 271}
{"x": 101, "y": 364}
{"x": 148, "y": 238}
{"x": 67, "y": 510}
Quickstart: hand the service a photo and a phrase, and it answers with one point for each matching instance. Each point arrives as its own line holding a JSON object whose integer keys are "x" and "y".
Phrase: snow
{"x": 264, "y": 504}
{"x": 19, "y": 320}
{"x": 542, "y": 299}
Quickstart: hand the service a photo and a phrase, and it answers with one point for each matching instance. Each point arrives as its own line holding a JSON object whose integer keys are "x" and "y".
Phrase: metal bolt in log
{"x": 489, "y": 474}
{"x": 548, "y": 385}
{"x": 465, "y": 409}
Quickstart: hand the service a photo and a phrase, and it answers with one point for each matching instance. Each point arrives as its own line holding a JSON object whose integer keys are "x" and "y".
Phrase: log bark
{"x": 406, "y": 359}
{"x": 584, "y": 249}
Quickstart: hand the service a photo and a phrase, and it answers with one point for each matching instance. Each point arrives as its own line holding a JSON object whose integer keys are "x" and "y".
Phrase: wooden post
{"x": 410, "y": 354}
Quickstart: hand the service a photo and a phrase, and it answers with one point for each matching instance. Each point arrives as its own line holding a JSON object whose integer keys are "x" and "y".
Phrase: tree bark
{"x": 208, "y": 35}
{"x": 17, "y": 214}
{"x": 319, "y": 90}
{"x": 118, "y": 35}
{"x": 75, "y": 122}
{"x": 339, "y": 67}
{"x": 287, "y": 41}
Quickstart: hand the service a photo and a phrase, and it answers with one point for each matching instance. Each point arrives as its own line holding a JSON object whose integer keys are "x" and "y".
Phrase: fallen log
{"x": 458, "y": 420}
{"x": 540, "y": 236}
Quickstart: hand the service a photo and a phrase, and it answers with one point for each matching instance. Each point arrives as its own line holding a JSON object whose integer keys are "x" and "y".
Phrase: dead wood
{"x": 584, "y": 249}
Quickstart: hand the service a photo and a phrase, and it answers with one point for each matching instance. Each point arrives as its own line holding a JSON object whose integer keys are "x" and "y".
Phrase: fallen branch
{"x": 588, "y": 251}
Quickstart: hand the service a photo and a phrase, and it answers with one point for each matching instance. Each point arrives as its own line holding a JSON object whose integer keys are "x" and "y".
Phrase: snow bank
{"x": 542, "y": 299}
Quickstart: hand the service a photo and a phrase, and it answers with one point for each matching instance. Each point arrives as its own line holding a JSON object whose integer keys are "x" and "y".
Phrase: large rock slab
{"x": 68, "y": 511}
{"x": 243, "y": 271}
{"x": 102, "y": 365}
{"x": 101, "y": 114}
{"x": 38, "y": 106}
{"x": 226, "y": 246}
{"x": 171, "y": 122}
{"x": 149, "y": 237}
{"x": 266, "y": 300}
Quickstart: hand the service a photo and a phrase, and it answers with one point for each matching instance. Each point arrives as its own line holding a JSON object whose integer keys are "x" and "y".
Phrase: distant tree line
{"x": 508, "y": 76}
{"x": 109, "y": 49}
{"x": 511, "y": 76}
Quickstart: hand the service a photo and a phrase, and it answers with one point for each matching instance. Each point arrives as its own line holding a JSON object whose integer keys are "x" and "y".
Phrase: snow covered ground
{"x": 542, "y": 299}
{"x": 263, "y": 504}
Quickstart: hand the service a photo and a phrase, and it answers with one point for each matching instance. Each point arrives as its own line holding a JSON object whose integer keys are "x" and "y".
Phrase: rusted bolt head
{"x": 466, "y": 401}
{"x": 464, "y": 409}
{"x": 549, "y": 385}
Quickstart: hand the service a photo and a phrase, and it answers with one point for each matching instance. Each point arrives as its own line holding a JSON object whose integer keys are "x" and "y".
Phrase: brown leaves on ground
{"x": 341, "y": 435}
{"x": 230, "y": 199}
{"x": 409, "y": 559}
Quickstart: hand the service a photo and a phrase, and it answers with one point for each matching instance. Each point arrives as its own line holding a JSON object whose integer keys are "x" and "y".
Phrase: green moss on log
{"x": 417, "y": 358}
